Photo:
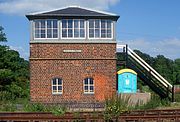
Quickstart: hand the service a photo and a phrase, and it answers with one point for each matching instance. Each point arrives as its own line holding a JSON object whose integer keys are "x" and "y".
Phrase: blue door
{"x": 127, "y": 84}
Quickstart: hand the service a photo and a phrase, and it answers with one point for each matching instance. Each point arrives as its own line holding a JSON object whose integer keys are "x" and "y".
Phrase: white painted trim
{"x": 88, "y": 92}
{"x": 112, "y": 32}
{"x": 146, "y": 66}
{"x": 54, "y": 93}
{"x": 73, "y": 29}
{"x": 45, "y": 30}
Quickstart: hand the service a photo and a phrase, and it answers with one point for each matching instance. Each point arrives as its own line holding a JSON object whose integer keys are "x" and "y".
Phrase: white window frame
{"x": 46, "y": 29}
{"x": 73, "y": 29}
{"x": 100, "y": 30}
{"x": 57, "y": 86}
{"x": 88, "y": 92}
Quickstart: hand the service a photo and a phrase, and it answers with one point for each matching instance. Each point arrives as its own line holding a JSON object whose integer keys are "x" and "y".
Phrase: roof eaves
{"x": 42, "y": 12}
{"x": 98, "y": 11}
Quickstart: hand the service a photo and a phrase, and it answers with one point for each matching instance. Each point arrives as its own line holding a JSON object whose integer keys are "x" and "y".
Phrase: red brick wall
{"x": 48, "y": 61}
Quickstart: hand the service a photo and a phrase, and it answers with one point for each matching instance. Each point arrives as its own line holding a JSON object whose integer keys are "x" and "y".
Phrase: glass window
{"x": 73, "y": 28}
{"x": 89, "y": 86}
{"x": 46, "y": 29}
{"x": 57, "y": 86}
{"x": 100, "y": 28}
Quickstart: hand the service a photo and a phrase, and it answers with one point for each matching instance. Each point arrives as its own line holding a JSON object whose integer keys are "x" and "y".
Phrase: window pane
{"x": 97, "y": 24}
{"x": 55, "y": 23}
{"x": 103, "y": 24}
{"x": 43, "y": 36}
{"x": 108, "y": 31}
{"x": 76, "y": 23}
{"x": 70, "y": 23}
{"x": 76, "y": 32}
{"x": 81, "y": 23}
{"x": 64, "y": 33}
{"x": 60, "y": 88}
{"x": 91, "y": 23}
{"x": 59, "y": 82}
{"x": 55, "y": 33}
{"x": 43, "y": 24}
{"x": 85, "y": 87}
{"x": 54, "y": 88}
{"x": 64, "y": 23}
{"x": 49, "y": 24}
{"x": 91, "y": 81}
{"x": 70, "y": 34}
{"x": 37, "y": 36}
{"x": 54, "y": 81}
{"x": 103, "y": 31}
{"x": 91, "y": 88}
{"x": 49, "y": 33}
{"x": 86, "y": 81}
{"x": 103, "y": 35}
{"x": 37, "y": 24}
{"x": 91, "y": 32}
{"x": 108, "y": 24}
{"x": 97, "y": 33}
{"x": 109, "y": 35}
{"x": 82, "y": 34}
{"x": 37, "y": 31}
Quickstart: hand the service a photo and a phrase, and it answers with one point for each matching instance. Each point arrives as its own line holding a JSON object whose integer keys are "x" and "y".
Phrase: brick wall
{"x": 95, "y": 60}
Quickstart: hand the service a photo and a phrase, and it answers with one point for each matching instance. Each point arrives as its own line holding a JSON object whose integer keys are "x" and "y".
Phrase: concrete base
{"x": 137, "y": 98}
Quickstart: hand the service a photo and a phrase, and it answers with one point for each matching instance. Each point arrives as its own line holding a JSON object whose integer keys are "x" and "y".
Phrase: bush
{"x": 154, "y": 102}
{"x": 35, "y": 107}
{"x": 177, "y": 97}
{"x": 58, "y": 110}
{"x": 8, "y": 106}
{"x": 5, "y": 96}
{"x": 116, "y": 105}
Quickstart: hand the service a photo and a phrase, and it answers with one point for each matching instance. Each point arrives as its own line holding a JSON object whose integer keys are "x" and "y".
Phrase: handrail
{"x": 151, "y": 69}
{"x": 146, "y": 66}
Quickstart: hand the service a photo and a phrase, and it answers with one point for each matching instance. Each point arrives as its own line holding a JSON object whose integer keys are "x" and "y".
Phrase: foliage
{"x": 168, "y": 68}
{"x": 177, "y": 97}
{"x": 153, "y": 103}
{"x": 2, "y": 35}
{"x": 5, "y": 96}
{"x": 116, "y": 105}
{"x": 58, "y": 110}
{"x": 8, "y": 106}
{"x": 39, "y": 107}
{"x": 14, "y": 74}
{"x": 35, "y": 107}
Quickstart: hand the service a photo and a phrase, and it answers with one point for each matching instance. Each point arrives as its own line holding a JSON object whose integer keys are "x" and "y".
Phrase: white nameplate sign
{"x": 72, "y": 51}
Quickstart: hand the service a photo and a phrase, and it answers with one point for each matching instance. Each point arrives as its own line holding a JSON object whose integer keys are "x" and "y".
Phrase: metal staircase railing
{"x": 138, "y": 60}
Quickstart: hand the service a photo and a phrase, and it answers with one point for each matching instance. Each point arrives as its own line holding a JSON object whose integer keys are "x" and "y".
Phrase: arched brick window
{"x": 57, "y": 86}
{"x": 88, "y": 86}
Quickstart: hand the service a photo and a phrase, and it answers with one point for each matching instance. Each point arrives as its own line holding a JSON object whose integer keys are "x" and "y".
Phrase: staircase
{"x": 145, "y": 72}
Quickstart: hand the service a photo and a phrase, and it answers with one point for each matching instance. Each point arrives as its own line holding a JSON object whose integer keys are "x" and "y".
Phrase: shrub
{"x": 116, "y": 105}
{"x": 35, "y": 107}
{"x": 154, "y": 102}
{"x": 57, "y": 110}
{"x": 5, "y": 95}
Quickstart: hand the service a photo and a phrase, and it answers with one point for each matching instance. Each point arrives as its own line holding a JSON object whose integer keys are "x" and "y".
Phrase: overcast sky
{"x": 152, "y": 26}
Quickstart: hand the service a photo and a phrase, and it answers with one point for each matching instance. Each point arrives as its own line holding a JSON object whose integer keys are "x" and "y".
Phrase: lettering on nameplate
{"x": 72, "y": 51}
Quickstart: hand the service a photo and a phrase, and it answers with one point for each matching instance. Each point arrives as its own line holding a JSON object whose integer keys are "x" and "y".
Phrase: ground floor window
{"x": 57, "y": 86}
{"x": 89, "y": 86}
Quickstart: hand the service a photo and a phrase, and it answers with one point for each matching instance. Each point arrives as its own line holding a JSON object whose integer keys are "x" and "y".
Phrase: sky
{"x": 151, "y": 26}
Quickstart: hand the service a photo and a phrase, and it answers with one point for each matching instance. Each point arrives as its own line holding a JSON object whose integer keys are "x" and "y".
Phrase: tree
{"x": 2, "y": 35}
{"x": 176, "y": 70}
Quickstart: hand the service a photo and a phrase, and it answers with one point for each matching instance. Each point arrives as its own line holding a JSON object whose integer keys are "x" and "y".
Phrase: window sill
{"x": 56, "y": 93}
{"x": 89, "y": 93}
